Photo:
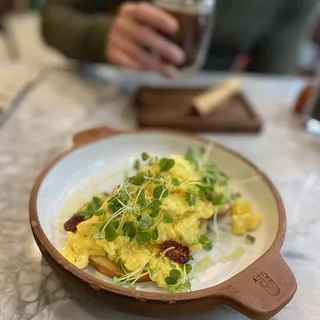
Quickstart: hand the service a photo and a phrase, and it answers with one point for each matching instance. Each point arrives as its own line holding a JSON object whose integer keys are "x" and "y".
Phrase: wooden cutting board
{"x": 172, "y": 108}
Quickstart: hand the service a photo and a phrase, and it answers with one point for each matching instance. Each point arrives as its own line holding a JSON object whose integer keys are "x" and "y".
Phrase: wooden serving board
{"x": 172, "y": 108}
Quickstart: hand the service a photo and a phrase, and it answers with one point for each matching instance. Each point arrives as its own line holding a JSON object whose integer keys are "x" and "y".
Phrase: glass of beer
{"x": 195, "y": 19}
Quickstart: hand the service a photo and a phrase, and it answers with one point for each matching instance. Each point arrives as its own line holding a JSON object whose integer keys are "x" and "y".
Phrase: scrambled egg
{"x": 184, "y": 227}
{"x": 161, "y": 266}
{"x": 244, "y": 218}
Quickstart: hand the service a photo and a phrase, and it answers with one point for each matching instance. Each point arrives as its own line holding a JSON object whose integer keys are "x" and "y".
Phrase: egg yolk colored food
{"x": 243, "y": 217}
{"x": 166, "y": 200}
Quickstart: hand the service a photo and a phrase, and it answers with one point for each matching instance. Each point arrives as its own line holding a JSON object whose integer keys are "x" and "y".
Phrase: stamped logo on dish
{"x": 267, "y": 284}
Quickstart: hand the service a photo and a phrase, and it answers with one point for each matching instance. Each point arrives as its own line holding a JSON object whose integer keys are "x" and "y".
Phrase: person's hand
{"x": 136, "y": 34}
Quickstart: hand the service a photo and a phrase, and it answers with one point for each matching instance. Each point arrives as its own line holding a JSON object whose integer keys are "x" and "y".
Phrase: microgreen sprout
{"x": 136, "y": 165}
{"x": 211, "y": 175}
{"x": 145, "y": 156}
{"x": 249, "y": 239}
{"x": 191, "y": 198}
{"x": 206, "y": 243}
{"x": 178, "y": 281}
{"x": 166, "y": 164}
{"x": 175, "y": 182}
{"x": 133, "y": 276}
{"x": 167, "y": 218}
{"x": 91, "y": 208}
{"x": 153, "y": 271}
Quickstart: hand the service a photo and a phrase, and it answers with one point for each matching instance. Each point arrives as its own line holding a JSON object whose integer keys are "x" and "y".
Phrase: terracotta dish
{"x": 258, "y": 285}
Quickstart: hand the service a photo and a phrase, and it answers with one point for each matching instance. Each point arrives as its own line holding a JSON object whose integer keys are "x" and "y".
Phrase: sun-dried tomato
{"x": 71, "y": 224}
{"x": 179, "y": 253}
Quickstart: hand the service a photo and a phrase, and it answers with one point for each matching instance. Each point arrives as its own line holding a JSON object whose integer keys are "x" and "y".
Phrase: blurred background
{"x": 20, "y": 38}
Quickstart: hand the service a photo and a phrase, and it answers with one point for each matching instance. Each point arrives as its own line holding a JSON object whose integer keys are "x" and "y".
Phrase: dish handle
{"x": 262, "y": 289}
{"x": 90, "y": 135}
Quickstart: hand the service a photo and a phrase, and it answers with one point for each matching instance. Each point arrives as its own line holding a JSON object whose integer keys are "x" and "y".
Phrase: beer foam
{"x": 188, "y": 7}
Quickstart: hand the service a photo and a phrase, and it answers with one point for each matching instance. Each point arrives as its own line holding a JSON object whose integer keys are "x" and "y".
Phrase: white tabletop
{"x": 64, "y": 103}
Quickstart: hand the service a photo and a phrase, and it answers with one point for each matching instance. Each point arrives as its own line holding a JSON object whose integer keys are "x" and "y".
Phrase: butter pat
{"x": 217, "y": 96}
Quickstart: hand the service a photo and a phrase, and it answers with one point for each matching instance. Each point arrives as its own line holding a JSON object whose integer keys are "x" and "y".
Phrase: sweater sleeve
{"x": 77, "y": 28}
{"x": 277, "y": 51}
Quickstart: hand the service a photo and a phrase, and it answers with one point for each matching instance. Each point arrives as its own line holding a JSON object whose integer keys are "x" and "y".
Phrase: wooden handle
{"x": 263, "y": 289}
{"x": 91, "y": 135}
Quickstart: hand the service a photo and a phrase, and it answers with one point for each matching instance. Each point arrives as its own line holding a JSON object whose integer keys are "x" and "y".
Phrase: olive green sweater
{"x": 270, "y": 31}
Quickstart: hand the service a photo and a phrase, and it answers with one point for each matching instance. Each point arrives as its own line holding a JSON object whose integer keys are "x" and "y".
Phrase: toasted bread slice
{"x": 105, "y": 266}
{"x": 221, "y": 213}
{"x": 109, "y": 269}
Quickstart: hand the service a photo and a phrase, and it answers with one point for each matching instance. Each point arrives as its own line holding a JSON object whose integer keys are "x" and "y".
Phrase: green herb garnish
{"x": 91, "y": 209}
{"x": 145, "y": 222}
{"x": 206, "y": 243}
{"x": 129, "y": 229}
{"x": 167, "y": 218}
{"x": 100, "y": 212}
{"x": 175, "y": 182}
{"x": 111, "y": 231}
{"x": 155, "y": 207}
{"x": 138, "y": 179}
{"x": 188, "y": 268}
{"x": 166, "y": 164}
{"x": 249, "y": 239}
{"x": 152, "y": 271}
{"x": 121, "y": 266}
{"x": 207, "y": 246}
{"x": 191, "y": 198}
{"x": 219, "y": 199}
{"x": 99, "y": 235}
{"x": 178, "y": 281}
{"x": 212, "y": 175}
{"x": 194, "y": 156}
{"x": 160, "y": 192}
{"x": 134, "y": 276}
{"x": 142, "y": 237}
{"x": 136, "y": 165}
{"x": 157, "y": 191}
{"x": 155, "y": 234}
{"x": 145, "y": 156}
{"x": 173, "y": 277}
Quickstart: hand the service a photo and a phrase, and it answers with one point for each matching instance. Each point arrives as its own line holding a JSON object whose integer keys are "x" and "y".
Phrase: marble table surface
{"x": 63, "y": 103}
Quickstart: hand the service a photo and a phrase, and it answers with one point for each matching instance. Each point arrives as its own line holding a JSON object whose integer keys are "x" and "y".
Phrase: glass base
{"x": 313, "y": 126}
{"x": 189, "y": 70}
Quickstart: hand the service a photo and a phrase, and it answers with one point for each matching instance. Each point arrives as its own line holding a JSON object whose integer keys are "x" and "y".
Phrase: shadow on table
{"x": 95, "y": 311}
{"x": 75, "y": 306}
